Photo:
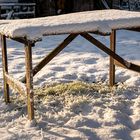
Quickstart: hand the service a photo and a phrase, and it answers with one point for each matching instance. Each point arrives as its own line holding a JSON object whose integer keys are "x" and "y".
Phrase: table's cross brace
{"x": 126, "y": 64}
{"x": 15, "y": 84}
{"x": 52, "y": 54}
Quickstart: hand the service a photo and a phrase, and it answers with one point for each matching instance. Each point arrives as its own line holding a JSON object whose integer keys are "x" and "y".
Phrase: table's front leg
{"x": 5, "y": 68}
{"x": 29, "y": 82}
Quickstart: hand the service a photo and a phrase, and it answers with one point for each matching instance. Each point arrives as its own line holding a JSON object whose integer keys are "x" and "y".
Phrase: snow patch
{"x": 102, "y": 21}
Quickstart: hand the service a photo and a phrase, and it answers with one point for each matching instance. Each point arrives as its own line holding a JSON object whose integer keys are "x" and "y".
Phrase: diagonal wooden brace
{"x": 104, "y": 48}
{"x": 51, "y": 55}
{"x": 15, "y": 84}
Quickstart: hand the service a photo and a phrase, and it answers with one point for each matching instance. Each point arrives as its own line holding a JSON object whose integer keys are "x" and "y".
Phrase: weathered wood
{"x": 51, "y": 55}
{"x": 101, "y": 46}
{"x": 5, "y": 68}
{"x": 15, "y": 84}
{"x": 134, "y": 66}
{"x": 134, "y": 29}
{"x": 56, "y": 51}
{"x": 119, "y": 64}
{"x": 29, "y": 81}
{"x": 25, "y": 41}
{"x": 99, "y": 33}
{"x": 112, "y": 66}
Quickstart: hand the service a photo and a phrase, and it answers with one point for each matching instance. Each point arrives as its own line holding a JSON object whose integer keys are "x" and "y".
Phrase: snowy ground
{"x": 102, "y": 116}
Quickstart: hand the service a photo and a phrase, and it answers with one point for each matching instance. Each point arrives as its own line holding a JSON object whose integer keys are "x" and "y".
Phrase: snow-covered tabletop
{"x": 102, "y": 21}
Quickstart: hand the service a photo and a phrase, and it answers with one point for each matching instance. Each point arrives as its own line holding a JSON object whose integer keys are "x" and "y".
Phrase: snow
{"x": 90, "y": 21}
{"x": 104, "y": 116}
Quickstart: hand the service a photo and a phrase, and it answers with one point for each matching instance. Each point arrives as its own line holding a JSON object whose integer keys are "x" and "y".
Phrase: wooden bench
{"x": 30, "y": 31}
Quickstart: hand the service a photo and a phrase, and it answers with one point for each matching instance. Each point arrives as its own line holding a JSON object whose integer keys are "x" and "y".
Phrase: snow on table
{"x": 102, "y": 21}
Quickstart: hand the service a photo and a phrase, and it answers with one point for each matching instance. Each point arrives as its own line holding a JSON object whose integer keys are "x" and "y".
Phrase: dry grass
{"x": 74, "y": 88}
{"x": 68, "y": 92}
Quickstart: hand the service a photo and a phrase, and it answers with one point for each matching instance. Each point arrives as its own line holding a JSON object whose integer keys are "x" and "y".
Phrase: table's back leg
{"x": 112, "y": 65}
{"x": 5, "y": 68}
{"x": 29, "y": 82}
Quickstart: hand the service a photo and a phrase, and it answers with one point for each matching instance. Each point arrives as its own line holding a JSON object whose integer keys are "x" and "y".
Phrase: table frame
{"x": 25, "y": 86}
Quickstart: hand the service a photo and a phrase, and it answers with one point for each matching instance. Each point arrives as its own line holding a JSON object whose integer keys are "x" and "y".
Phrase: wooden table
{"x": 25, "y": 86}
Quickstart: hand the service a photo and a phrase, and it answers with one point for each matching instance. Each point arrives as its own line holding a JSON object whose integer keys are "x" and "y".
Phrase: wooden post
{"x": 112, "y": 65}
{"x": 29, "y": 82}
{"x": 5, "y": 68}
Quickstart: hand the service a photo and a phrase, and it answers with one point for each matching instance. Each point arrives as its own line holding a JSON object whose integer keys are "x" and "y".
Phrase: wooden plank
{"x": 23, "y": 40}
{"x": 101, "y": 46}
{"x": 5, "y": 68}
{"x": 51, "y": 55}
{"x": 112, "y": 66}
{"x": 119, "y": 64}
{"x": 122, "y": 66}
{"x": 134, "y": 67}
{"x": 29, "y": 82}
{"x": 134, "y": 29}
{"x": 15, "y": 84}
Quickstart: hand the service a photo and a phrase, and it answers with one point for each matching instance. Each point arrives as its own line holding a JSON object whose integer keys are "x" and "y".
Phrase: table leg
{"x": 29, "y": 82}
{"x": 112, "y": 65}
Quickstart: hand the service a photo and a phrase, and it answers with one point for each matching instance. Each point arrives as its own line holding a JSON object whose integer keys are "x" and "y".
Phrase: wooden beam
{"x": 134, "y": 29}
{"x": 5, "y": 68}
{"x": 24, "y": 41}
{"x": 112, "y": 66}
{"x": 55, "y": 52}
{"x": 52, "y": 54}
{"x": 101, "y": 46}
{"x": 29, "y": 81}
{"x": 122, "y": 66}
{"x": 119, "y": 64}
{"x": 15, "y": 84}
